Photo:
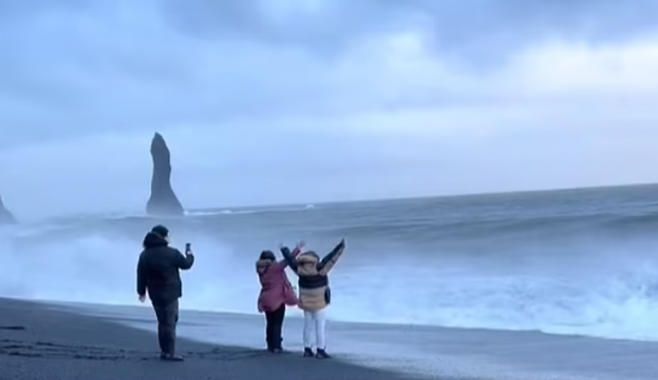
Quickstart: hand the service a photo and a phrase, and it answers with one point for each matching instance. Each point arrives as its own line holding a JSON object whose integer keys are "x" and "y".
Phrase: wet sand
{"x": 81, "y": 341}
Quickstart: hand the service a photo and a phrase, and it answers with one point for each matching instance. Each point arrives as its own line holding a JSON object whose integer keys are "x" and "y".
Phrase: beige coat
{"x": 314, "y": 292}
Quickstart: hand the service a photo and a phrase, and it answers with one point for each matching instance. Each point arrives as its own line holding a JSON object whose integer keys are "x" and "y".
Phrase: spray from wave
{"x": 595, "y": 287}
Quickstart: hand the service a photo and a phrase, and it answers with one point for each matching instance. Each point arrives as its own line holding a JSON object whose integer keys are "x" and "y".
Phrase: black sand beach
{"x": 79, "y": 341}
{"x": 39, "y": 341}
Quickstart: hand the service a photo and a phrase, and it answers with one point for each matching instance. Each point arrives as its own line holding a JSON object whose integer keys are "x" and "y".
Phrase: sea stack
{"x": 163, "y": 200}
{"x": 6, "y": 217}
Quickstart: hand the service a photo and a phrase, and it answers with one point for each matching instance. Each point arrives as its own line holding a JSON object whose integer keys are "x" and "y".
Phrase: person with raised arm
{"x": 276, "y": 294}
{"x": 158, "y": 273}
{"x": 314, "y": 293}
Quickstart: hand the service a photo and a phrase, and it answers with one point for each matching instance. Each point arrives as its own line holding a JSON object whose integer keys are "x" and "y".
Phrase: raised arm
{"x": 141, "y": 276}
{"x": 289, "y": 257}
{"x": 295, "y": 252}
{"x": 328, "y": 262}
{"x": 184, "y": 262}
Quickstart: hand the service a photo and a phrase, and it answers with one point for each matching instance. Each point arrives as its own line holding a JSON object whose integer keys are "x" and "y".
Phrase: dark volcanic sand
{"x": 38, "y": 341}
{"x": 57, "y": 341}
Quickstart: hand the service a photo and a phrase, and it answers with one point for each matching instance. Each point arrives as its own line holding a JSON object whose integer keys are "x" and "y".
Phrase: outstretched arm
{"x": 141, "y": 277}
{"x": 294, "y": 254}
{"x": 328, "y": 262}
{"x": 289, "y": 257}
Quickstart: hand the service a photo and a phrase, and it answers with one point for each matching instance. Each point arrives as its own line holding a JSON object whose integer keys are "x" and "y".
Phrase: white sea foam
{"x": 612, "y": 297}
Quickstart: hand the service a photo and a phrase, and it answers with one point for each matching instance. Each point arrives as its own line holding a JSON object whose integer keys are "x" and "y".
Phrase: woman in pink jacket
{"x": 276, "y": 293}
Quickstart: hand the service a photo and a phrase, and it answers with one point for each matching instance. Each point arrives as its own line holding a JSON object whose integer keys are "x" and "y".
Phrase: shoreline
{"x": 66, "y": 340}
{"x": 295, "y": 315}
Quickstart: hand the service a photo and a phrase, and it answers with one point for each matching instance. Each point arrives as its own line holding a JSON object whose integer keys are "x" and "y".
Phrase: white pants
{"x": 314, "y": 320}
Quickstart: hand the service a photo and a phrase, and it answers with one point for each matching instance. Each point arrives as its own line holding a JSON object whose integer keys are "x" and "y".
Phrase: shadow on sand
{"x": 42, "y": 341}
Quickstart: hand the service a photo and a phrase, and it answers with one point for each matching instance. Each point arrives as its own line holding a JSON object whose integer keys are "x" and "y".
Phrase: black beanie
{"x": 160, "y": 230}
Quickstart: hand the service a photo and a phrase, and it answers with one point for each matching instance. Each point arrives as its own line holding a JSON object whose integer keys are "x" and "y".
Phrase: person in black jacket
{"x": 158, "y": 273}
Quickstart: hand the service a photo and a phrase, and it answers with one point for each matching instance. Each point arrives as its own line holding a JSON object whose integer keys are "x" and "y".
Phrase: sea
{"x": 581, "y": 261}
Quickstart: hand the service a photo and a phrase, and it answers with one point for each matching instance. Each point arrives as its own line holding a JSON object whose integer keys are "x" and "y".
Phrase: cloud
{"x": 343, "y": 99}
{"x": 491, "y": 27}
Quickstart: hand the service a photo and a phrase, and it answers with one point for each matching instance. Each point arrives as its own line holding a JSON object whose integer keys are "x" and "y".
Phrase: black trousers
{"x": 274, "y": 327}
{"x": 167, "y": 314}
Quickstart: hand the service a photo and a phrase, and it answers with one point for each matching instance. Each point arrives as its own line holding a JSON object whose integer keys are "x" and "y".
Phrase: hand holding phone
{"x": 188, "y": 248}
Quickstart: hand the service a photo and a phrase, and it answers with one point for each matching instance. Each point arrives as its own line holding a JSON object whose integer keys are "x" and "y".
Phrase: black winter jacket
{"x": 158, "y": 269}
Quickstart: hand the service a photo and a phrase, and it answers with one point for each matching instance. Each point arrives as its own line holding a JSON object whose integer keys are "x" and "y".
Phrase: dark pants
{"x": 167, "y": 315}
{"x": 274, "y": 327}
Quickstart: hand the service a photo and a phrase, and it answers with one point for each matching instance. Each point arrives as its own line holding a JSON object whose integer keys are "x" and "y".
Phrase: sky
{"x": 265, "y": 102}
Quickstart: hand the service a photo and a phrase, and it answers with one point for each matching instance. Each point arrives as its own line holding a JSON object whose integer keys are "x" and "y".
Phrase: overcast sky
{"x": 313, "y": 100}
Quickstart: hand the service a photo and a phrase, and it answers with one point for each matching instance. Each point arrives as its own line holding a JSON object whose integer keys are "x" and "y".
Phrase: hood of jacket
{"x": 153, "y": 240}
{"x": 262, "y": 265}
{"x": 307, "y": 263}
{"x": 308, "y": 257}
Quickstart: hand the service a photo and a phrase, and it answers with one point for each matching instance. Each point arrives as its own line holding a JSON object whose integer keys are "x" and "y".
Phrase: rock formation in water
{"x": 6, "y": 217}
{"x": 163, "y": 201}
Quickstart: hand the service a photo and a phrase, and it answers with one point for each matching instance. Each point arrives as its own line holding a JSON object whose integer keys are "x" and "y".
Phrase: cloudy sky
{"x": 313, "y": 100}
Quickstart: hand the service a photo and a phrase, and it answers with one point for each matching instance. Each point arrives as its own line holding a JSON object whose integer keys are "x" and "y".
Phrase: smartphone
{"x": 188, "y": 248}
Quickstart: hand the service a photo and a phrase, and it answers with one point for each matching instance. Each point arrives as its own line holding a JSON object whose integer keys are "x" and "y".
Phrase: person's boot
{"x": 274, "y": 348}
{"x": 170, "y": 357}
{"x": 322, "y": 354}
{"x": 308, "y": 352}
{"x": 277, "y": 349}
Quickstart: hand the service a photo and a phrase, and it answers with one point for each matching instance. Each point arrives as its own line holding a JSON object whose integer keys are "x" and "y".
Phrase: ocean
{"x": 581, "y": 261}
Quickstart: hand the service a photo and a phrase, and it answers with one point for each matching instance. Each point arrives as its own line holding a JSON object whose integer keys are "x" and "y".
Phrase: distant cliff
{"x": 6, "y": 217}
{"x": 163, "y": 200}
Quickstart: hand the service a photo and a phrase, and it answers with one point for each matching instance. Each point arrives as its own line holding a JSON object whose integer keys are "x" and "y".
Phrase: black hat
{"x": 160, "y": 230}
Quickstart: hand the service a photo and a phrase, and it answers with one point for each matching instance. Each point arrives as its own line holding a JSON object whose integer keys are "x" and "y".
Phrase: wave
{"x": 486, "y": 227}
{"x": 240, "y": 211}
{"x": 602, "y": 286}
